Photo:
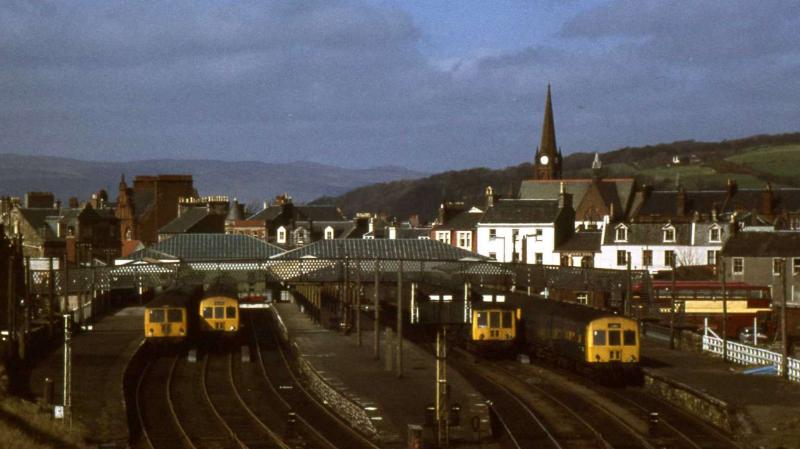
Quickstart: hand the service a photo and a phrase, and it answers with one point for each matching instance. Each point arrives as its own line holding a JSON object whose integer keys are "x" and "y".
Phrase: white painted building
{"x": 525, "y": 231}
{"x": 656, "y": 246}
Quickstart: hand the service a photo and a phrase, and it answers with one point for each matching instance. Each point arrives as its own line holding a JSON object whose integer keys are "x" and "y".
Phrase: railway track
{"x": 537, "y": 416}
{"x": 675, "y": 429}
{"x": 159, "y": 422}
{"x": 219, "y": 390}
{"x": 328, "y": 430}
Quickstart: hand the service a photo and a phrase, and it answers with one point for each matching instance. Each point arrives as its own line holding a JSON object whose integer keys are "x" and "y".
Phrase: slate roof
{"x": 763, "y": 244}
{"x": 189, "y": 218}
{"x": 617, "y": 191}
{"x": 320, "y": 213}
{"x": 649, "y": 234}
{"x": 36, "y": 217}
{"x": 463, "y": 221}
{"x": 664, "y": 202}
{"x": 200, "y": 247}
{"x": 521, "y": 211}
{"x": 583, "y": 241}
{"x": 267, "y": 214}
{"x": 383, "y": 249}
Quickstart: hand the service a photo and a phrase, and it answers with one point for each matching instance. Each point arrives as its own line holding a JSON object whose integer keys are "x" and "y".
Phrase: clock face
{"x": 544, "y": 160}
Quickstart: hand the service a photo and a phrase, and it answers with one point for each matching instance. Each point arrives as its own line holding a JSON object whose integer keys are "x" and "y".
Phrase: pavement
{"x": 99, "y": 358}
{"x": 768, "y": 406}
{"x": 354, "y": 371}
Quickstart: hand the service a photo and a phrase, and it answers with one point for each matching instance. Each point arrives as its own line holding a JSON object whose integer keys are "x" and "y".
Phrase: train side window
{"x": 157, "y": 315}
{"x": 507, "y": 320}
{"x": 614, "y": 338}
{"x": 219, "y": 312}
{"x": 208, "y": 312}
{"x": 174, "y": 315}
{"x": 629, "y": 338}
{"x": 483, "y": 319}
{"x": 494, "y": 320}
{"x": 230, "y": 312}
{"x": 599, "y": 338}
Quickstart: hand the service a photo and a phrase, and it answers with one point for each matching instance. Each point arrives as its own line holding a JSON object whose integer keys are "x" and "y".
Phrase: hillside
{"x": 751, "y": 161}
{"x": 250, "y": 181}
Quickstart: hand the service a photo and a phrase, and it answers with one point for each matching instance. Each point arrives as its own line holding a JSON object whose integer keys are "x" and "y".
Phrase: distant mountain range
{"x": 249, "y": 181}
{"x": 751, "y": 162}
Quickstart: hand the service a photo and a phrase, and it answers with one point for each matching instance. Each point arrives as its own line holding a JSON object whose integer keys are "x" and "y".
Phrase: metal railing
{"x": 744, "y": 354}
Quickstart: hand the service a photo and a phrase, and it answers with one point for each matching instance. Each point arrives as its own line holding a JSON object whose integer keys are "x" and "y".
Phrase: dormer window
{"x": 281, "y": 235}
{"x": 621, "y": 234}
{"x": 715, "y": 234}
{"x": 329, "y": 233}
{"x": 669, "y": 234}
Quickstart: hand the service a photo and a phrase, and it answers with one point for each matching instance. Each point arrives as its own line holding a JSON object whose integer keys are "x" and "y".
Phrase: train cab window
{"x": 483, "y": 319}
{"x": 599, "y": 338}
{"x": 219, "y": 312}
{"x": 508, "y": 320}
{"x": 174, "y": 315}
{"x": 157, "y": 315}
{"x": 230, "y": 312}
{"x": 614, "y": 338}
{"x": 208, "y": 312}
{"x": 494, "y": 320}
{"x": 629, "y": 338}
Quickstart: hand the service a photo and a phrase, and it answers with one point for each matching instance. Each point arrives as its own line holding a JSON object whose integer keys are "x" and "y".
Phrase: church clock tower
{"x": 547, "y": 164}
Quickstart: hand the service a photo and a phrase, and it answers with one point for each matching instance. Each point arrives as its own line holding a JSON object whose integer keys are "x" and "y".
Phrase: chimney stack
{"x": 564, "y": 198}
{"x": 680, "y": 202}
{"x": 489, "y": 196}
{"x": 767, "y": 200}
{"x": 731, "y": 187}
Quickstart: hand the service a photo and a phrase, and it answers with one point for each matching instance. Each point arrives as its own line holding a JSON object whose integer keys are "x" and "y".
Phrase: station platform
{"x": 762, "y": 410}
{"x": 99, "y": 358}
{"x": 391, "y": 403}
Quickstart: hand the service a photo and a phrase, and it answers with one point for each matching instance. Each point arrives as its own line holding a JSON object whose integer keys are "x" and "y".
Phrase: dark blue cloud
{"x": 345, "y": 82}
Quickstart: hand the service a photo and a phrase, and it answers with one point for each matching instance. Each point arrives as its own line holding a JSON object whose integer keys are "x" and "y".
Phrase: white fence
{"x": 750, "y": 355}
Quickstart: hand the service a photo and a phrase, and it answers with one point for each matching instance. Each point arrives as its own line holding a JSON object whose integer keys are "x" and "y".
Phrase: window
{"x": 219, "y": 312}
{"x": 494, "y": 320}
{"x": 465, "y": 240}
{"x": 669, "y": 234}
{"x": 230, "y": 312}
{"x": 582, "y": 298}
{"x": 537, "y": 234}
{"x": 329, "y": 233}
{"x": 443, "y": 236}
{"x": 647, "y": 257}
{"x": 281, "y": 235}
{"x": 599, "y": 338}
{"x": 500, "y": 298}
{"x": 487, "y": 298}
{"x": 493, "y": 256}
{"x": 174, "y": 315}
{"x": 714, "y": 235}
{"x": 565, "y": 261}
{"x": 621, "y": 234}
{"x": 622, "y": 258}
{"x": 777, "y": 266}
{"x": 157, "y": 315}
{"x": 208, "y": 312}
{"x": 587, "y": 262}
{"x": 492, "y": 234}
{"x": 711, "y": 257}
{"x": 508, "y": 320}
{"x": 796, "y": 265}
{"x": 669, "y": 258}
{"x": 483, "y": 319}
{"x": 447, "y": 298}
{"x": 738, "y": 265}
{"x": 539, "y": 257}
{"x": 434, "y": 297}
{"x": 614, "y": 338}
{"x": 629, "y": 338}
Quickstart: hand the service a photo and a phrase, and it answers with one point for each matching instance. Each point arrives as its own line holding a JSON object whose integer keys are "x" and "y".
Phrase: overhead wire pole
{"x": 672, "y": 308}
{"x": 784, "y": 338}
{"x": 67, "y": 370}
{"x": 400, "y": 320}
{"x": 358, "y": 303}
{"x": 377, "y": 323}
{"x": 724, "y": 310}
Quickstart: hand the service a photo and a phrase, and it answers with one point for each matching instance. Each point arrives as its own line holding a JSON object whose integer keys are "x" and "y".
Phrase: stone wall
{"x": 700, "y": 404}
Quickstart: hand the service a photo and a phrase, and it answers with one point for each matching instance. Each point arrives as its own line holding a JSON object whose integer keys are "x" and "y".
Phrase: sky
{"x": 424, "y": 84}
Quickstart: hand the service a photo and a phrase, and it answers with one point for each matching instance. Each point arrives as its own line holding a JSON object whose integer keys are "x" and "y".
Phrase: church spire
{"x": 548, "y": 155}
{"x": 548, "y": 145}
